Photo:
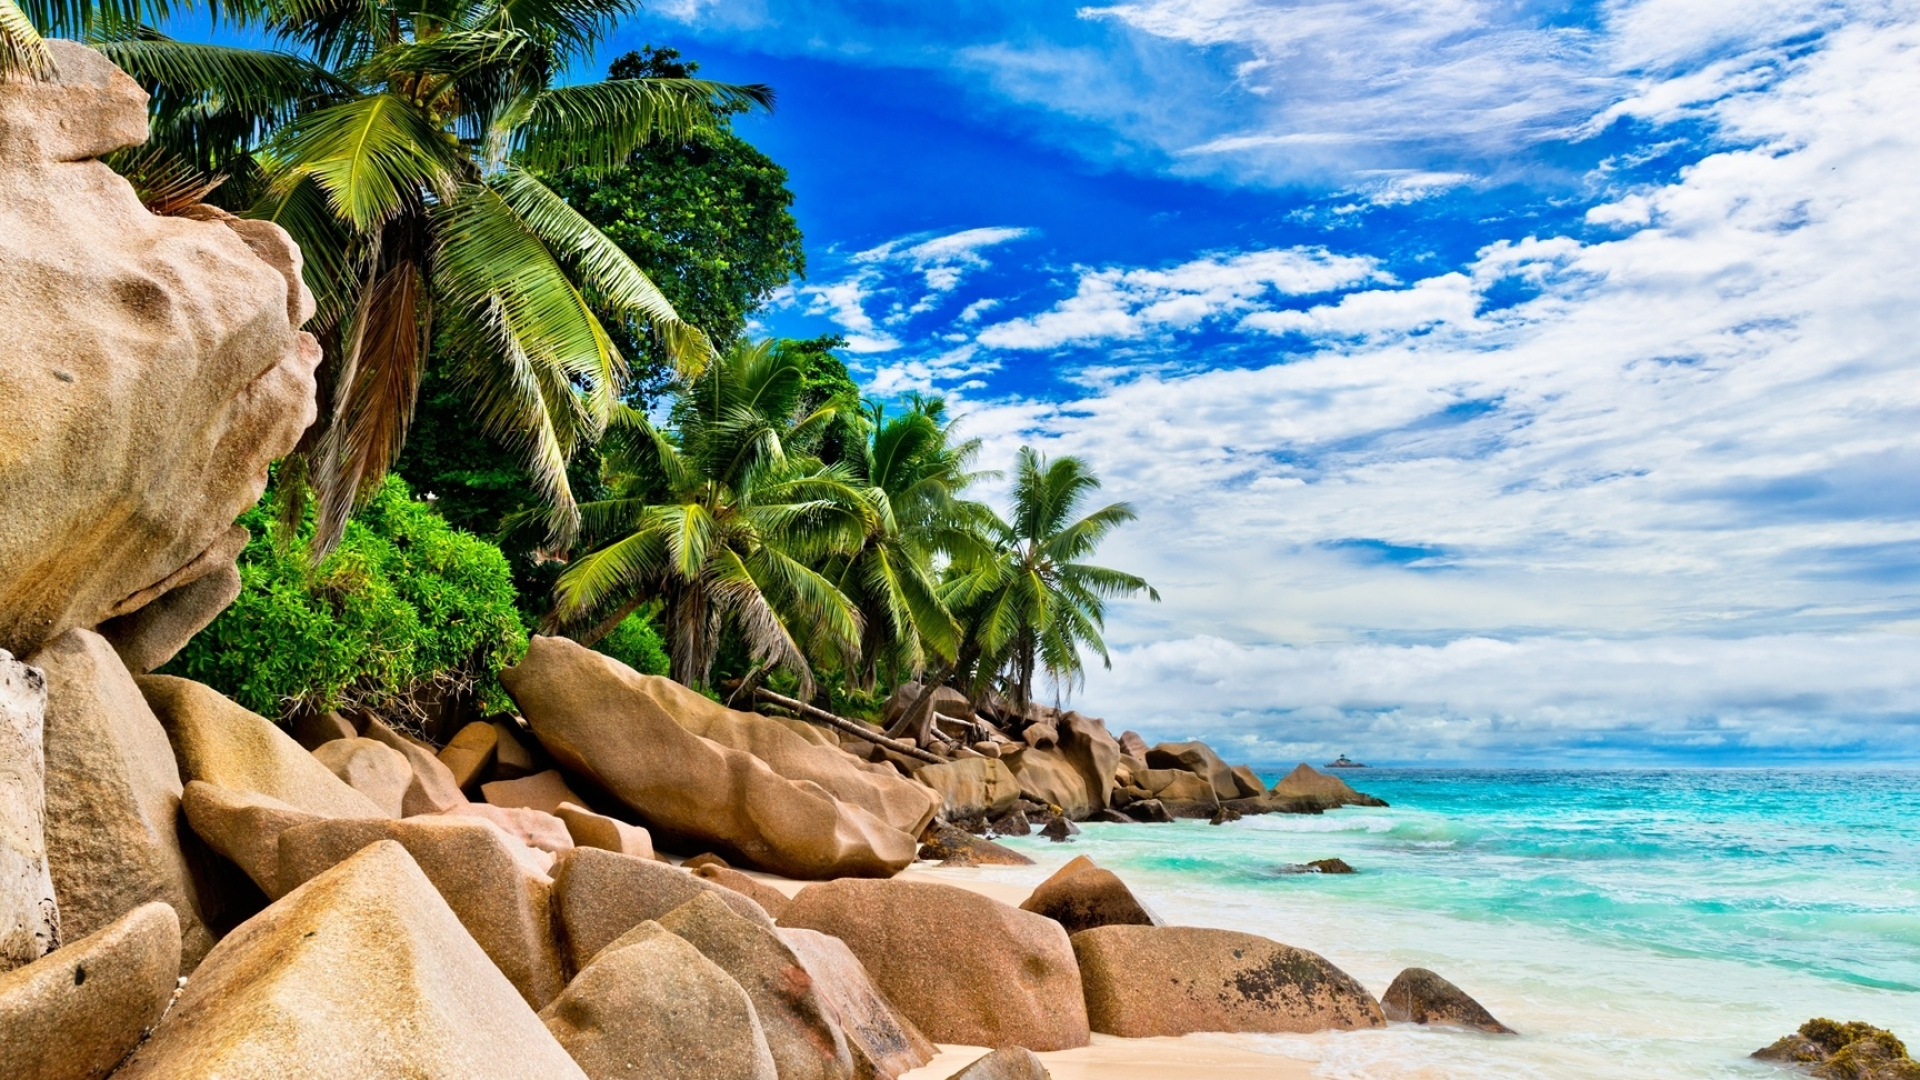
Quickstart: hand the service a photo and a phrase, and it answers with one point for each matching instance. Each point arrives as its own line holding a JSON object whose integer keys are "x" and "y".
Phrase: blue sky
{"x": 1498, "y": 382}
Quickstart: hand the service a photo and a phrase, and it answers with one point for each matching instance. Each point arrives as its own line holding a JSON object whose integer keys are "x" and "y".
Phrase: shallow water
{"x": 1629, "y": 924}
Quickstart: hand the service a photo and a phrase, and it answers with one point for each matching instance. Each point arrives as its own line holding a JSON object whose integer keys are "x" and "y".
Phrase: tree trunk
{"x": 593, "y": 636}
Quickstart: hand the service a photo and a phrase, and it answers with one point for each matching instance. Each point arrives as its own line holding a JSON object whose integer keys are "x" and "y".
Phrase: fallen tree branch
{"x": 842, "y": 724}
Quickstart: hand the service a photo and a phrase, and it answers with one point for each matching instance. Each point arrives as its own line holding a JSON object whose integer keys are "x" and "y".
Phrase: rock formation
{"x": 29, "y": 920}
{"x": 1308, "y": 786}
{"x": 1418, "y": 996}
{"x": 1829, "y": 1050}
{"x": 598, "y": 896}
{"x": 1080, "y": 896}
{"x": 884, "y": 1043}
{"x": 75, "y": 1014}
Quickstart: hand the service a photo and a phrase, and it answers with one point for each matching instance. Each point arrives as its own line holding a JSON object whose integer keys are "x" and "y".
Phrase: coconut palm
{"x": 402, "y": 146}
{"x": 721, "y": 522}
{"x": 914, "y": 474}
{"x": 1033, "y": 605}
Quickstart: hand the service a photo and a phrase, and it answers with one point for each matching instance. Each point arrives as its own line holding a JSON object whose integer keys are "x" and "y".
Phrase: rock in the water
{"x": 363, "y": 973}
{"x": 244, "y": 827}
{"x": 1308, "y": 786}
{"x": 1012, "y": 823}
{"x": 964, "y": 968}
{"x": 599, "y": 895}
{"x": 371, "y": 768}
{"x": 75, "y": 1013}
{"x": 155, "y": 634}
{"x": 469, "y": 753}
{"x": 802, "y": 1031}
{"x": 543, "y": 791}
{"x": 884, "y": 1043}
{"x": 1080, "y": 896}
{"x": 1830, "y": 1050}
{"x": 1011, "y": 1063}
{"x": 975, "y": 787}
{"x": 1059, "y": 830}
{"x": 229, "y": 747}
{"x": 1418, "y": 996}
{"x": 944, "y": 843}
{"x": 1333, "y": 866}
{"x": 770, "y": 899}
{"x": 152, "y": 363}
{"x": 503, "y": 905}
{"x": 113, "y": 797}
{"x": 1199, "y": 759}
{"x": 433, "y": 789}
{"x": 625, "y": 732}
{"x": 1224, "y": 815}
{"x": 650, "y": 1007}
{"x": 589, "y": 829}
{"x": 1143, "y": 981}
{"x": 1148, "y": 810}
{"x": 29, "y": 920}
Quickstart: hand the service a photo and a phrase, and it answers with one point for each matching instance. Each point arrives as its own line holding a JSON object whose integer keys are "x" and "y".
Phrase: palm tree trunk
{"x": 593, "y": 636}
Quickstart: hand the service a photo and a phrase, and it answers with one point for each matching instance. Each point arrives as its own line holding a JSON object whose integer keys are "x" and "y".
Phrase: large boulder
{"x": 1143, "y": 981}
{"x": 952, "y": 846}
{"x": 29, "y": 920}
{"x": 433, "y": 789}
{"x": 771, "y": 900}
{"x": 113, "y": 797}
{"x": 1199, "y": 759}
{"x": 543, "y": 791}
{"x": 1074, "y": 772}
{"x": 884, "y": 1043}
{"x": 469, "y": 754}
{"x": 1309, "y": 787}
{"x": 588, "y": 829}
{"x": 1419, "y": 996}
{"x": 629, "y": 734}
{"x": 74, "y": 1014}
{"x": 963, "y": 967}
{"x": 972, "y": 787}
{"x": 650, "y": 1007}
{"x": 1011, "y": 1063}
{"x": 599, "y": 895}
{"x": 225, "y": 745}
{"x": 363, "y": 973}
{"x": 371, "y": 768}
{"x": 1080, "y": 896}
{"x": 533, "y": 829}
{"x": 506, "y": 907}
{"x": 155, "y": 634}
{"x": 802, "y": 1030}
{"x": 153, "y": 364}
{"x": 244, "y": 827}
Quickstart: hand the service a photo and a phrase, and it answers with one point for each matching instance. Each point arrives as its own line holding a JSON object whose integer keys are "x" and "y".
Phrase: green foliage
{"x": 405, "y": 607}
{"x": 637, "y": 644}
{"x": 826, "y": 384}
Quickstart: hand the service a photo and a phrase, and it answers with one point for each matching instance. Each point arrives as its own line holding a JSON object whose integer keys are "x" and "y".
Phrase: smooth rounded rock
{"x": 76, "y": 1012}
{"x": 588, "y": 829}
{"x": 371, "y": 768}
{"x": 770, "y": 899}
{"x": 1080, "y": 896}
{"x": 1419, "y": 996}
{"x": 599, "y": 895}
{"x": 1012, "y": 1063}
{"x": 885, "y": 1044}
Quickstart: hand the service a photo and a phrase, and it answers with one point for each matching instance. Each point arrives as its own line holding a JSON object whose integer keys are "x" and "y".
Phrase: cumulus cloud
{"x": 940, "y": 262}
{"x": 1449, "y": 298}
{"x": 1116, "y": 303}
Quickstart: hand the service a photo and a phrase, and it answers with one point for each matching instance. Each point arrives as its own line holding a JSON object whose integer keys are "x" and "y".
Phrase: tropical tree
{"x": 1033, "y": 604}
{"x": 914, "y": 475}
{"x": 722, "y": 523}
{"x": 403, "y": 147}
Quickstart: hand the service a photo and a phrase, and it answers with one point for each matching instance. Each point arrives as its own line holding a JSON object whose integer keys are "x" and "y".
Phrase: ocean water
{"x": 1628, "y": 924}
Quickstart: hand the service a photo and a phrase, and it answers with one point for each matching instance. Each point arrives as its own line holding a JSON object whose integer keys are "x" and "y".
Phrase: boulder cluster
{"x": 188, "y": 889}
{"x": 1831, "y": 1050}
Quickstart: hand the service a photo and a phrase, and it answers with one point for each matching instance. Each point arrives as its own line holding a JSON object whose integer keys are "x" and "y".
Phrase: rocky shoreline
{"x": 187, "y": 890}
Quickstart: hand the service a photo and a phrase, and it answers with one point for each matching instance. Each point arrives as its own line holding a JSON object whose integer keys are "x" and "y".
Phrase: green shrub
{"x": 637, "y": 644}
{"x": 406, "y": 608}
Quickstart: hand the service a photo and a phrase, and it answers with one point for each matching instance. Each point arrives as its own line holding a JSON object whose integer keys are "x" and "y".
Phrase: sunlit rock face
{"x": 150, "y": 367}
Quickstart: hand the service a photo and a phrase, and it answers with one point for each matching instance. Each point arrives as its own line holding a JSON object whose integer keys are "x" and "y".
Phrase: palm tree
{"x": 721, "y": 521}
{"x": 1034, "y": 605}
{"x": 914, "y": 475}
{"x": 402, "y": 145}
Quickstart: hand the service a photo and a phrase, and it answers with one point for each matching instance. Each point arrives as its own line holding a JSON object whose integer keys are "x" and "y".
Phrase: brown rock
{"x": 159, "y": 353}
{"x": 113, "y": 797}
{"x": 512, "y": 758}
{"x": 29, "y": 920}
{"x": 1143, "y": 981}
{"x": 1199, "y": 759}
{"x": 599, "y": 896}
{"x": 1132, "y": 745}
{"x": 312, "y": 729}
{"x": 706, "y": 859}
{"x": 1149, "y": 810}
{"x": 363, "y": 973}
{"x": 535, "y": 829}
{"x": 75, "y": 1013}
{"x": 946, "y": 844}
{"x": 1306, "y": 785}
{"x": 650, "y": 1006}
{"x": 244, "y": 827}
{"x": 1080, "y": 896}
{"x": 543, "y": 791}
{"x": 589, "y": 829}
{"x": 433, "y": 790}
{"x": 770, "y": 899}
{"x": 469, "y": 754}
{"x": 1334, "y": 866}
{"x": 155, "y": 634}
{"x": 1248, "y": 782}
{"x": 1418, "y": 996}
{"x": 223, "y": 744}
{"x": 964, "y": 968}
{"x": 1189, "y": 791}
{"x": 1076, "y": 773}
{"x": 972, "y": 788}
{"x": 1012, "y": 1063}
{"x": 602, "y": 720}
{"x": 504, "y": 906}
{"x": 801, "y": 1029}
{"x": 884, "y": 1043}
{"x": 371, "y": 768}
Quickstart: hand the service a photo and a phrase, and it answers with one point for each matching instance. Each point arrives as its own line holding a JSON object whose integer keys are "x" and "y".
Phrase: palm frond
{"x": 374, "y": 157}
{"x": 22, "y": 51}
{"x": 599, "y": 125}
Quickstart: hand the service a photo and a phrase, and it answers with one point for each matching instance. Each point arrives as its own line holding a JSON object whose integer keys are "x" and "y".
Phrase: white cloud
{"x": 956, "y": 368}
{"x": 845, "y": 303}
{"x": 1449, "y": 299}
{"x": 1114, "y": 303}
{"x": 942, "y": 260}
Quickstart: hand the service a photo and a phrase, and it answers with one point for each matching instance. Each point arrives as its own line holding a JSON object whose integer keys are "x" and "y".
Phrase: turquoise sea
{"x": 1629, "y": 924}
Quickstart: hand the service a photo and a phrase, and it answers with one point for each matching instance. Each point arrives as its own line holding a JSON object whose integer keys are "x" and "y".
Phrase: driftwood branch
{"x": 842, "y": 724}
